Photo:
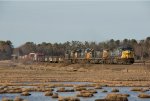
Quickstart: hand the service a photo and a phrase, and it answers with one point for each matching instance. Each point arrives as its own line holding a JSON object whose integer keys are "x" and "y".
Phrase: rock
{"x": 142, "y": 95}
{"x": 25, "y": 94}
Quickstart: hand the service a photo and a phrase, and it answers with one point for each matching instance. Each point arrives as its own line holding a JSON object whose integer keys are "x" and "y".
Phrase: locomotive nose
{"x": 128, "y": 52}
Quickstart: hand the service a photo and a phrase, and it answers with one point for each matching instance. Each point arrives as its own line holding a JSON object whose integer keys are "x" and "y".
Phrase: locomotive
{"x": 121, "y": 55}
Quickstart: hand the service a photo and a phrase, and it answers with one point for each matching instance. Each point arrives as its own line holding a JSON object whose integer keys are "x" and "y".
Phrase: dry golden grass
{"x": 110, "y": 75}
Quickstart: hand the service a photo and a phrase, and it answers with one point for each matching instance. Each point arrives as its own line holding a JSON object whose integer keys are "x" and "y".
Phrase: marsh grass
{"x": 44, "y": 73}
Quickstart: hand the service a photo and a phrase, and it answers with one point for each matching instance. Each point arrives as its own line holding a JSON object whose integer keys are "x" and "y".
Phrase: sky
{"x": 66, "y": 20}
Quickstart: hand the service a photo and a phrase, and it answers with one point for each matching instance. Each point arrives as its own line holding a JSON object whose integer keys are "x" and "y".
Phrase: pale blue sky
{"x": 64, "y": 20}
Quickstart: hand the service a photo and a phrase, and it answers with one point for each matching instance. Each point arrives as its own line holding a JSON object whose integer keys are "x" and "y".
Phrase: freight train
{"x": 121, "y": 55}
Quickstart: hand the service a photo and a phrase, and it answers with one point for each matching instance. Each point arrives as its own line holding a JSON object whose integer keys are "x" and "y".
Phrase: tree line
{"x": 6, "y": 50}
{"x": 141, "y": 47}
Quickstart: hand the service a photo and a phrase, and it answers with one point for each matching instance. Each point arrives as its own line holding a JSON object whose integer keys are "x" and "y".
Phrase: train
{"x": 121, "y": 55}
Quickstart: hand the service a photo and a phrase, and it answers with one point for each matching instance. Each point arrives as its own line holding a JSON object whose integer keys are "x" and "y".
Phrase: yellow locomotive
{"x": 122, "y": 55}
{"x": 127, "y": 55}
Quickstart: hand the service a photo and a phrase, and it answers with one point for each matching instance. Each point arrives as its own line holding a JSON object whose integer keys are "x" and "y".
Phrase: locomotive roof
{"x": 126, "y": 48}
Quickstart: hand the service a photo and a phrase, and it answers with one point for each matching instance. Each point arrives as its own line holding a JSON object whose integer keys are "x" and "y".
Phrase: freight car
{"x": 121, "y": 55}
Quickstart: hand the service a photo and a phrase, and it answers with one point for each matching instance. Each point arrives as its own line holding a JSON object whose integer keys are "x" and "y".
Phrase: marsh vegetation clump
{"x": 139, "y": 89}
{"x": 115, "y": 90}
{"x": 89, "y": 91}
{"x": 65, "y": 90}
{"x": 104, "y": 91}
{"x": 85, "y": 95}
{"x": 98, "y": 87}
{"x": 68, "y": 99}
{"x": 7, "y": 99}
{"x": 116, "y": 97}
{"x": 17, "y": 98}
{"x": 25, "y": 94}
{"x": 80, "y": 88}
{"x": 48, "y": 93}
{"x": 143, "y": 95}
{"x": 136, "y": 89}
{"x": 55, "y": 95}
